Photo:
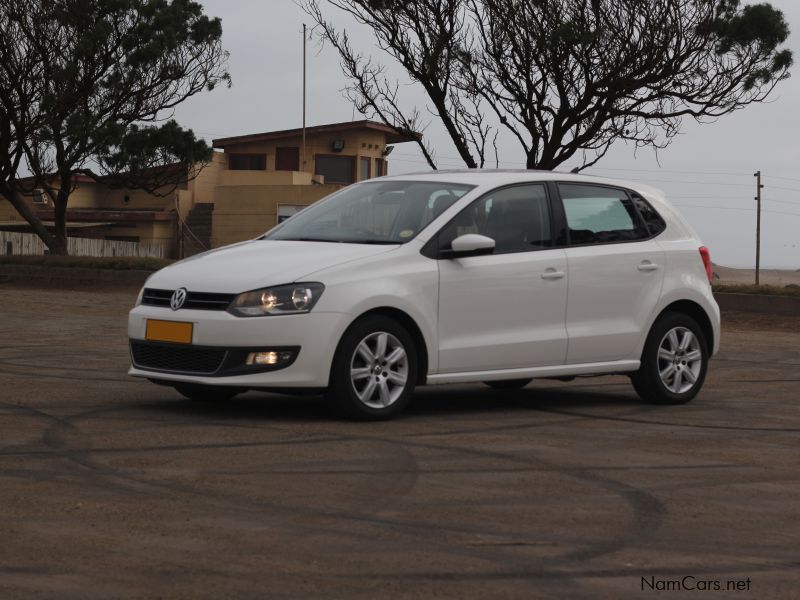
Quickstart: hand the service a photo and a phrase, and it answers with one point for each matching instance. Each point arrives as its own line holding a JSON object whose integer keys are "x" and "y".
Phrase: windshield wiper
{"x": 382, "y": 242}
{"x": 306, "y": 239}
{"x": 329, "y": 240}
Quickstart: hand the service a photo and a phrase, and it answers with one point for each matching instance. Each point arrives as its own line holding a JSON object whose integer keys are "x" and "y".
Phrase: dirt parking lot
{"x": 112, "y": 487}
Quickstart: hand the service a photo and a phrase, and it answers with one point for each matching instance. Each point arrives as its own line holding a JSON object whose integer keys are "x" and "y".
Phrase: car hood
{"x": 258, "y": 263}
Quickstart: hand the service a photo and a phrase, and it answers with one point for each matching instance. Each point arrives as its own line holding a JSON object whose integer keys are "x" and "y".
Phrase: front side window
{"x": 597, "y": 215}
{"x": 375, "y": 212}
{"x": 516, "y": 218}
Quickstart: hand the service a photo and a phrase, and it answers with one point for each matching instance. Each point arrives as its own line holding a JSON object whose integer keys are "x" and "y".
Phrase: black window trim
{"x": 631, "y": 194}
{"x": 628, "y": 193}
{"x": 431, "y": 248}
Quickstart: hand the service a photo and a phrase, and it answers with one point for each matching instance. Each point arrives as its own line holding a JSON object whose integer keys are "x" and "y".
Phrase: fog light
{"x": 268, "y": 358}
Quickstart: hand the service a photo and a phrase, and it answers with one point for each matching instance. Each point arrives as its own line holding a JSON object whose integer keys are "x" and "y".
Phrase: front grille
{"x": 177, "y": 359}
{"x": 194, "y": 300}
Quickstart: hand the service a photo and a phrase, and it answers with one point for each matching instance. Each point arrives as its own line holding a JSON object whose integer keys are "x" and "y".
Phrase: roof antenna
{"x": 576, "y": 170}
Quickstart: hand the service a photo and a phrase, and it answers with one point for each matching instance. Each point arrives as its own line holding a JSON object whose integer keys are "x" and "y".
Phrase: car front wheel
{"x": 674, "y": 361}
{"x": 374, "y": 370}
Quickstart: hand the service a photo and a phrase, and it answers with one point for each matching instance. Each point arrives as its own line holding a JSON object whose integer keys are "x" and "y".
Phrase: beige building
{"x": 102, "y": 212}
{"x": 268, "y": 176}
{"x": 252, "y": 183}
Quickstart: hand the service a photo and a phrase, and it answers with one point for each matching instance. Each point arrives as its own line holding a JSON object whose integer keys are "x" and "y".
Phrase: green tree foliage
{"x": 87, "y": 88}
{"x": 565, "y": 78}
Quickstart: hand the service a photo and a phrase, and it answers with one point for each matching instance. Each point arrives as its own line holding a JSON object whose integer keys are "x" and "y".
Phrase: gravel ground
{"x": 114, "y": 487}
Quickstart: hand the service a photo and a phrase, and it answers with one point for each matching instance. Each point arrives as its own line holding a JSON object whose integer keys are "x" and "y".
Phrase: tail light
{"x": 706, "y": 256}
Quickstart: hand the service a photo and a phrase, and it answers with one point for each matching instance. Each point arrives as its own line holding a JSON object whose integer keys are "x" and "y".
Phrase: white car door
{"x": 506, "y": 309}
{"x": 615, "y": 273}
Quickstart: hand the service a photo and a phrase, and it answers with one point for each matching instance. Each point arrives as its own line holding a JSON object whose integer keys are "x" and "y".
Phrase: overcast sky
{"x": 707, "y": 171}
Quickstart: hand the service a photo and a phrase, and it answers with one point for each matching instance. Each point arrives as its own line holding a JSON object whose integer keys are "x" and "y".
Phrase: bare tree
{"x": 566, "y": 78}
{"x": 107, "y": 72}
{"x": 424, "y": 37}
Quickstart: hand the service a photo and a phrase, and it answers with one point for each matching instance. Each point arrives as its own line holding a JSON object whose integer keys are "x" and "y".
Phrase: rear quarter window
{"x": 598, "y": 215}
{"x": 655, "y": 224}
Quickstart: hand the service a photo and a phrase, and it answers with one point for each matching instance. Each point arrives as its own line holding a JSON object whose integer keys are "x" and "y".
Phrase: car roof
{"x": 497, "y": 177}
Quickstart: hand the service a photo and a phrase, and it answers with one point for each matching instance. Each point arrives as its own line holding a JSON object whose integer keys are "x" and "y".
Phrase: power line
{"x": 450, "y": 158}
{"x": 785, "y": 178}
{"x": 775, "y": 212}
{"x": 730, "y": 198}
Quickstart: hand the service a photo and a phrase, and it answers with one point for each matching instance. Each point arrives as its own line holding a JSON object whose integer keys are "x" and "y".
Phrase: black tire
{"x": 648, "y": 382}
{"x": 342, "y": 391}
{"x": 207, "y": 393}
{"x": 508, "y": 384}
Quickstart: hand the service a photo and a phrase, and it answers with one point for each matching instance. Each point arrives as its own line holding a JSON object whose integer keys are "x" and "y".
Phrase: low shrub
{"x": 89, "y": 262}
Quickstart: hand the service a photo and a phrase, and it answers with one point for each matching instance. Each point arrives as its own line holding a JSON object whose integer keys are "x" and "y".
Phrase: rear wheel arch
{"x": 697, "y": 313}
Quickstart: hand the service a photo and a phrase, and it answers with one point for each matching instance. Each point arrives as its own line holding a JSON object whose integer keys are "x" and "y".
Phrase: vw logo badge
{"x": 178, "y": 298}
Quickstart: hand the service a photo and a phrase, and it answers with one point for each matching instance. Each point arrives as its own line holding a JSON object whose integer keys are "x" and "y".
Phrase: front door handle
{"x": 552, "y": 273}
{"x": 647, "y": 265}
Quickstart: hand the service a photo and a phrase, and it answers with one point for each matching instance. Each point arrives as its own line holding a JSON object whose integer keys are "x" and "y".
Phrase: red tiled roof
{"x": 392, "y": 136}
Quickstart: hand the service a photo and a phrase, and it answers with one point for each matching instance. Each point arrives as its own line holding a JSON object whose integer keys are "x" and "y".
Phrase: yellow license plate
{"x": 169, "y": 331}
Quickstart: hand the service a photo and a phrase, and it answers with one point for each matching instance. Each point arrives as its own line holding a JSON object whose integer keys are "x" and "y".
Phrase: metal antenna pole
{"x": 757, "y": 175}
{"x": 304, "y": 96}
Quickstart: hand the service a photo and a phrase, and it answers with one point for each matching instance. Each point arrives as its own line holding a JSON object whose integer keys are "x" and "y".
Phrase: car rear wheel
{"x": 374, "y": 370}
{"x": 674, "y": 361}
{"x": 508, "y": 384}
{"x": 207, "y": 393}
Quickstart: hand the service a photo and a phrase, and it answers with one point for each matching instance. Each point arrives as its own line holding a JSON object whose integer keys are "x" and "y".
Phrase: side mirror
{"x": 470, "y": 244}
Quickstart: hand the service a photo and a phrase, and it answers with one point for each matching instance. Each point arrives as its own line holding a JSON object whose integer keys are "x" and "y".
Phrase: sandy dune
{"x": 779, "y": 277}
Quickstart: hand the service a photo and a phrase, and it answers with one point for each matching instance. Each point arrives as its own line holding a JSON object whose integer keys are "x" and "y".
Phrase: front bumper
{"x": 315, "y": 335}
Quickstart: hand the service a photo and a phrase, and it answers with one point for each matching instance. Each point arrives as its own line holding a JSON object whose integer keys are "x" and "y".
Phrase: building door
{"x": 287, "y": 159}
{"x": 364, "y": 168}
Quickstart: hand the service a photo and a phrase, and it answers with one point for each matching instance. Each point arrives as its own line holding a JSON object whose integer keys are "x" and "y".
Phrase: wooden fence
{"x": 30, "y": 244}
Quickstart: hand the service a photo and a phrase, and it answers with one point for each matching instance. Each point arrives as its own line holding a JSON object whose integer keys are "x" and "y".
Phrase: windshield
{"x": 380, "y": 212}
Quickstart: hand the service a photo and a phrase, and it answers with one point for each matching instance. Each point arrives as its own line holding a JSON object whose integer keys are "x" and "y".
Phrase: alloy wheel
{"x": 379, "y": 370}
{"x": 680, "y": 360}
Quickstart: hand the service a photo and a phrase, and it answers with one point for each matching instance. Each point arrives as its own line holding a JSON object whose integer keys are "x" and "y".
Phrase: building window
{"x": 336, "y": 169}
{"x": 287, "y": 159}
{"x": 364, "y": 168}
{"x": 380, "y": 167}
{"x": 247, "y": 162}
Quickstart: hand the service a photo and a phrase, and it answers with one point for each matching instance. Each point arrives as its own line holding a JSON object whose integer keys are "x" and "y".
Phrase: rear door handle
{"x": 646, "y": 265}
{"x": 552, "y": 273}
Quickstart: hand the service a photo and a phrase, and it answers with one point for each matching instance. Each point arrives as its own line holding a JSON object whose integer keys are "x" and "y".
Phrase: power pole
{"x": 757, "y": 175}
{"x": 305, "y": 38}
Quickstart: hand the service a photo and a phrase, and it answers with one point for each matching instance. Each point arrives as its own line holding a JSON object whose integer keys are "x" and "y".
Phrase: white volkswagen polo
{"x": 491, "y": 276}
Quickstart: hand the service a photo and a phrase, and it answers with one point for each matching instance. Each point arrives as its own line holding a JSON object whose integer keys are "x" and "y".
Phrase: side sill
{"x": 605, "y": 368}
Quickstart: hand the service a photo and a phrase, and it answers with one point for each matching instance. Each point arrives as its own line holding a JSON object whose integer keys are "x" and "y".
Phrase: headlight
{"x": 291, "y": 299}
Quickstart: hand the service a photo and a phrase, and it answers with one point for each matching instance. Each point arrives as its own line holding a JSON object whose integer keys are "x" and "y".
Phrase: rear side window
{"x": 516, "y": 218}
{"x": 655, "y": 224}
{"x": 598, "y": 215}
